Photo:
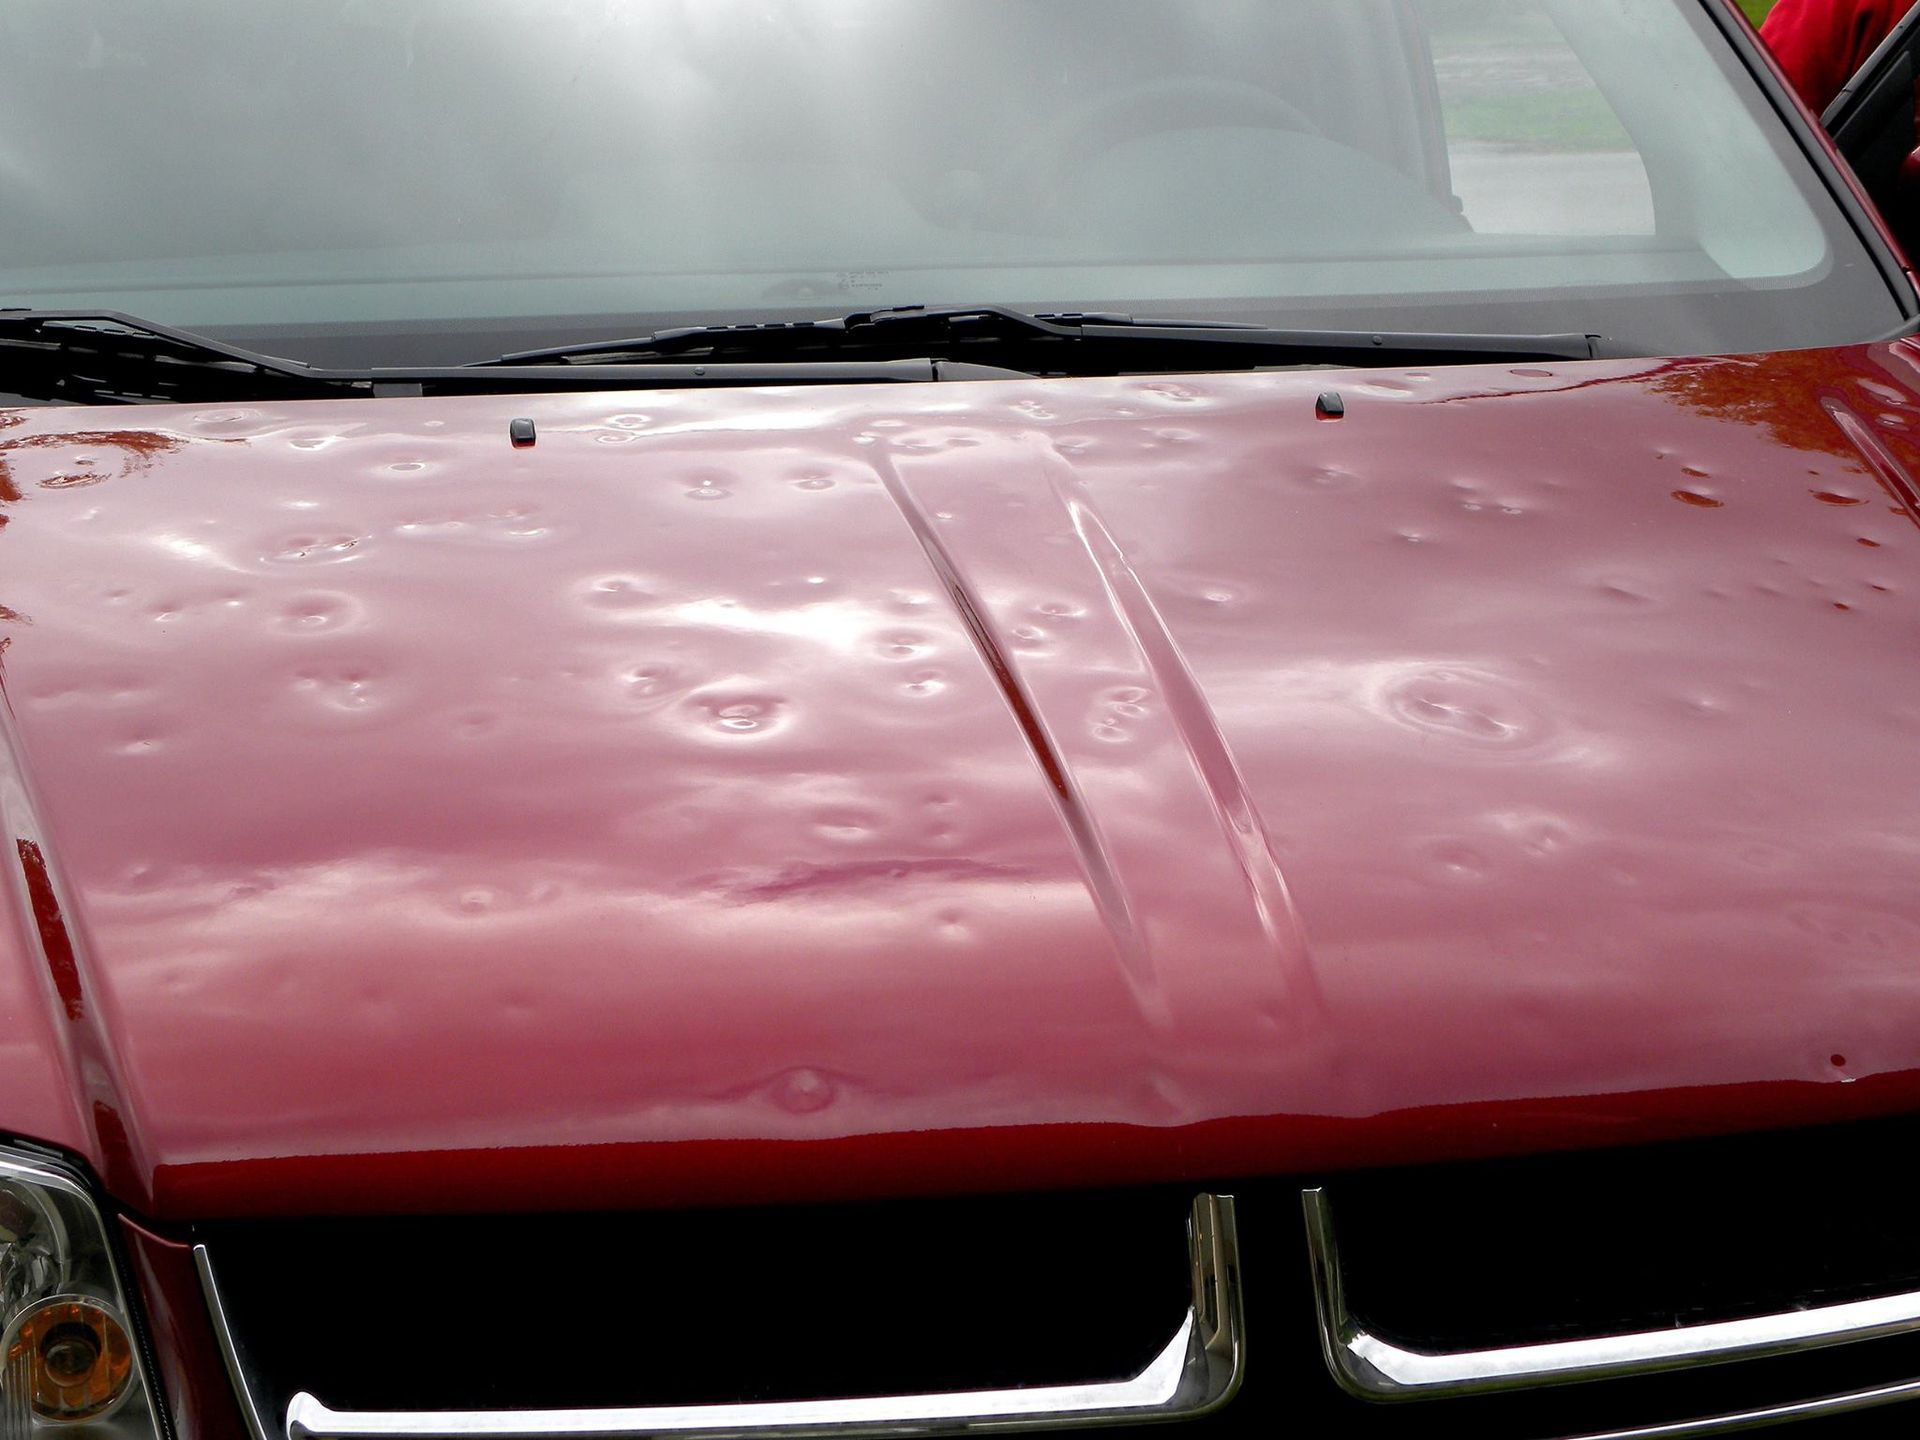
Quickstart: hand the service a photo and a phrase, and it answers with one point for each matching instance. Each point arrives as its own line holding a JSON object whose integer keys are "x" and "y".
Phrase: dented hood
{"x": 845, "y": 791}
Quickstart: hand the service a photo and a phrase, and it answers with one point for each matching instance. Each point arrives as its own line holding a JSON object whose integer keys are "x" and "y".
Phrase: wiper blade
{"x": 1061, "y": 343}
{"x": 106, "y": 358}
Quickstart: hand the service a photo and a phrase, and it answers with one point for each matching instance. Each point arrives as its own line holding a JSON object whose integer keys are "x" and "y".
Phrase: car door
{"x": 1872, "y": 121}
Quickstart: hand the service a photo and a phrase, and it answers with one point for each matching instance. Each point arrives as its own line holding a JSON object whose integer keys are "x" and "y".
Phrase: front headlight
{"x": 67, "y": 1353}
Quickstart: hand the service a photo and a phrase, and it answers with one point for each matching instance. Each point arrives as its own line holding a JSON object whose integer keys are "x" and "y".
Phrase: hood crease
{"x": 1206, "y": 745}
{"x": 1104, "y": 886}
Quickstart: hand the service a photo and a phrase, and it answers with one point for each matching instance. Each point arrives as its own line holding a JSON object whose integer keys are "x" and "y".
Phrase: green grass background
{"x": 1576, "y": 121}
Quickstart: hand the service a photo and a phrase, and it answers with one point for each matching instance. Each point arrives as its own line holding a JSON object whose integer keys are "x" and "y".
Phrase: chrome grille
{"x": 1476, "y": 1264}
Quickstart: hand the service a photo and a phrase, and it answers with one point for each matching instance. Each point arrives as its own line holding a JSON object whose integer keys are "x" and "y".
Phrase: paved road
{"x": 1581, "y": 193}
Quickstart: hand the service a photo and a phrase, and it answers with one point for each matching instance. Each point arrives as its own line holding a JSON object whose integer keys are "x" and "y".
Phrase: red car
{"x": 768, "y": 718}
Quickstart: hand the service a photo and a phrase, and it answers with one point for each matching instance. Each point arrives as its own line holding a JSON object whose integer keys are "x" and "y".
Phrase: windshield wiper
{"x": 103, "y": 357}
{"x": 106, "y": 358}
{"x": 96, "y": 357}
{"x": 1060, "y": 344}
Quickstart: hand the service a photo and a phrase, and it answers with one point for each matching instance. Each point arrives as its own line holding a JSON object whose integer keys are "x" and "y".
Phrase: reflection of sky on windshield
{"x": 416, "y": 163}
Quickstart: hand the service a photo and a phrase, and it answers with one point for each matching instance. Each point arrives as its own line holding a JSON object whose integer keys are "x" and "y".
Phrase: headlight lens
{"x": 67, "y": 1357}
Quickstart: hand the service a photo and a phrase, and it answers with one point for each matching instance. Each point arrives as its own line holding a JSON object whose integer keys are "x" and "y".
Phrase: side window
{"x": 1872, "y": 122}
{"x": 1533, "y": 145}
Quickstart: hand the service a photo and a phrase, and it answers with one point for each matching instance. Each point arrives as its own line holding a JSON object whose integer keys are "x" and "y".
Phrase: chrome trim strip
{"x": 1377, "y": 1369}
{"x": 229, "y": 1353}
{"x": 1197, "y": 1372}
{"x": 1851, "y": 1402}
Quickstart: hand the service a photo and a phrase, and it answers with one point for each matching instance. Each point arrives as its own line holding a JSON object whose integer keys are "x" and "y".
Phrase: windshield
{"x": 433, "y": 181}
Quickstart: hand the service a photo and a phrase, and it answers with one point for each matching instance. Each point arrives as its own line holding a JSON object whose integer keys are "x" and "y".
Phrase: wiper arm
{"x": 99, "y": 357}
{"x": 1061, "y": 343}
{"x": 103, "y": 357}
{"x": 106, "y": 358}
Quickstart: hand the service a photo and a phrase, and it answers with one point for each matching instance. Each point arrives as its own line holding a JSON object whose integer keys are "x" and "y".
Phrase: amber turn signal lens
{"x": 74, "y": 1355}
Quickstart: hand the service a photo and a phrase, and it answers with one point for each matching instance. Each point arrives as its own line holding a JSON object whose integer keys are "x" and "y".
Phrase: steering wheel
{"x": 1178, "y": 102}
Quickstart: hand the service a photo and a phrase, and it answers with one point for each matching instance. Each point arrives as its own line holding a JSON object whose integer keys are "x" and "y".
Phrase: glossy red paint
{"x": 825, "y": 791}
{"x": 192, "y": 1377}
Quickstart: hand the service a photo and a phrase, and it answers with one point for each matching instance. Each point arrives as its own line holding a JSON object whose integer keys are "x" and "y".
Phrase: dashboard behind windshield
{"x": 413, "y": 181}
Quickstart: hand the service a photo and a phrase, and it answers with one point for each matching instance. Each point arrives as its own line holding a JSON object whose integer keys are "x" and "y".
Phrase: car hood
{"x": 765, "y": 794}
